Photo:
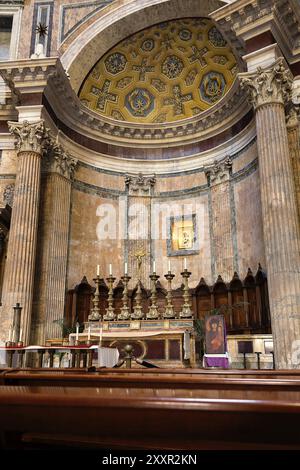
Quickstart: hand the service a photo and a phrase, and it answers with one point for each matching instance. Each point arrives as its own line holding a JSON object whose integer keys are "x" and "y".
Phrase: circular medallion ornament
{"x": 115, "y": 63}
{"x": 139, "y": 102}
{"x": 212, "y": 87}
{"x": 172, "y": 66}
{"x": 185, "y": 34}
{"x": 147, "y": 45}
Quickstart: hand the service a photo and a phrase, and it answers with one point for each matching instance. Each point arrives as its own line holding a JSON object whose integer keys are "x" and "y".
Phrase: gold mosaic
{"x": 171, "y": 71}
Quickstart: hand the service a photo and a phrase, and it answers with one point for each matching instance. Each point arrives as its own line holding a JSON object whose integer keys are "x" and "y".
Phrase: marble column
{"x": 51, "y": 271}
{"x": 294, "y": 145}
{"x": 269, "y": 89}
{"x": 21, "y": 255}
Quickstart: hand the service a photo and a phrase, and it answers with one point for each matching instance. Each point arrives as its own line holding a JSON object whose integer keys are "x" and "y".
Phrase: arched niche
{"x": 83, "y": 50}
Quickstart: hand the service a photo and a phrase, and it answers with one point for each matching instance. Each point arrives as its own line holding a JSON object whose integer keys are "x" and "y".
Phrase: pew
{"x": 63, "y": 417}
{"x": 158, "y": 380}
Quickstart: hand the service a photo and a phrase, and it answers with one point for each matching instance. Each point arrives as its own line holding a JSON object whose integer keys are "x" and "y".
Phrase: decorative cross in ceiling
{"x": 178, "y": 100}
{"x": 198, "y": 54}
{"x": 143, "y": 69}
{"x": 104, "y": 95}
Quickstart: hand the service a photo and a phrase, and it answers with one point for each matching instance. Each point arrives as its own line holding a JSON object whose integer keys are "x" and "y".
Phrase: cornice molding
{"x": 48, "y": 76}
{"x": 244, "y": 19}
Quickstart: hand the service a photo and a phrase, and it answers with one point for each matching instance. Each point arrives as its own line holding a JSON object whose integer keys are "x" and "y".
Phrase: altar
{"x": 162, "y": 342}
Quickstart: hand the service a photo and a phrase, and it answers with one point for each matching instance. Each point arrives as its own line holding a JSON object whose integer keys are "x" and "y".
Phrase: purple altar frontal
{"x": 216, "y": 360}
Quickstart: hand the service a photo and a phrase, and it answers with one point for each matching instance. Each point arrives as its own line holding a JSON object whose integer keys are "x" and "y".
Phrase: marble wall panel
{"x": 249, "y": 223}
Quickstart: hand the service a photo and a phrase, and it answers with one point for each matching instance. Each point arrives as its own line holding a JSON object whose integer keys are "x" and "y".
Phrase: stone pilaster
{"x": 51, "y": 270}
{"x": 294, "y": 145}
{"x": 268, "y": 90}
{"x": 21, "y": 255}
{"x": 218, "y": 176}
{"x": 139, "y": 189}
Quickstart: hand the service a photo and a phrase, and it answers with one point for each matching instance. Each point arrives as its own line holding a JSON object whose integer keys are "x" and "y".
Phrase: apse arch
{"x": 119, "y": 21}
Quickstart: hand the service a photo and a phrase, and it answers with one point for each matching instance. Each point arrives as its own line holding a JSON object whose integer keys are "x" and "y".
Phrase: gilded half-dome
{"x": 171, "y": 71}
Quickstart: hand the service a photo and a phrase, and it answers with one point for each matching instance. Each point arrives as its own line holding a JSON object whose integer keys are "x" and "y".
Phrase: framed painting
{"x": 182, "y": 237}
{"x": 215, "y": 334}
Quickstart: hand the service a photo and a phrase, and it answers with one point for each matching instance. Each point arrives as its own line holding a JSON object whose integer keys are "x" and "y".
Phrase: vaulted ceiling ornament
{"x": 165, "y": 73}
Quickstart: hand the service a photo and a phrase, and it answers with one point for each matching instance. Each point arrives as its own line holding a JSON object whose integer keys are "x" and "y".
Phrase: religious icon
{"x": 215, "y": 342}
{"x": 183, "y": 235}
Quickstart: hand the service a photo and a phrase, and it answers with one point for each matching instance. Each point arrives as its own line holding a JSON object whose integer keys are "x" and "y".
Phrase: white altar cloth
{"x": 107, "y": 357}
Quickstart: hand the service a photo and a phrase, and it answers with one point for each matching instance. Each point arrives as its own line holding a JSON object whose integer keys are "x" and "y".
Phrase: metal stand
{"x": 125, "y": 313}
{"x": 169, "y": 310}
{"x": 138, "y": 313}
{"x": 95, "y": 314}
{"x": 110, "y": 311}
{"x": 153, "y": 310}
{"x": 186, "y": 311}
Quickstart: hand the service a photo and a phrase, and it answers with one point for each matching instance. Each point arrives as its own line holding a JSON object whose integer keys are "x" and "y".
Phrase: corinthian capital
{"x": 218, "y": 172}
{"x": 270, "y": 85}
{"x": 58, "y": 160}
{"x": 31, "y": 136}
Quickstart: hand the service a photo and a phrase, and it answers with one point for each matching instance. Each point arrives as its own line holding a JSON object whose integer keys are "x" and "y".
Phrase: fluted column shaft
{"x": 21, "y": 254}
{"x": 19, "y": 272}
{"x": 280, "y": 219}
{"x": 294, "y": 145}
{"x": 51, "y": 270}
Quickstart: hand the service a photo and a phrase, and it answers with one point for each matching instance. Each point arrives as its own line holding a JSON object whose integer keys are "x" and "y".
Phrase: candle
{"x": 110, "y": 270}
{"x": 20, "y": 335}
{"x": 154, "y": 266}
{"x": 101, "y": 331}
{"x": 185, "y": 265}
{"x": 98, "y": 270}
{"x": 77, "y": 331}
{"x": 126, "y": 268}
{"x": 169, "y": 266}
{"x": 9, "y": 335}
{"x": 89, "y": 333}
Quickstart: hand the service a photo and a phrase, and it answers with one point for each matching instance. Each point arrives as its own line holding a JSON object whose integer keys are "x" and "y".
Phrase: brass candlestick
{"x": 138, "y": 313}
{"x": 169, "y": 310}
{"x": 95, "y": 314}
{"x": 153, "y": 310}
{"x": 186, "y": 311}
{"x": 110, "y": 311}
{"x": 125, "y": 313}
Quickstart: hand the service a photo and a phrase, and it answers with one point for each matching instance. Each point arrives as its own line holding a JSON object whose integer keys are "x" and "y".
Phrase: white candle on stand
{"x": 101, "y": 331}
{"x": 9, "y": 335}
{"x": 110, "y": 270}
{"x": 20, "y": 335}
{"x": 98, "y": 270}
{"x": 89, "y": 333}
{"x": 169, "y": 266}
{"x": 126, "y": 269}
{"x": 185, "y": 265}
{"x": 77, "y": 331}
{"x": 154, "y": 266}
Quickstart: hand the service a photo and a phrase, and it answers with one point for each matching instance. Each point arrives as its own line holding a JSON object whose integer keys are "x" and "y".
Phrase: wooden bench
{"x": 42, "y": 417}
{"x": 157, "y": 380}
